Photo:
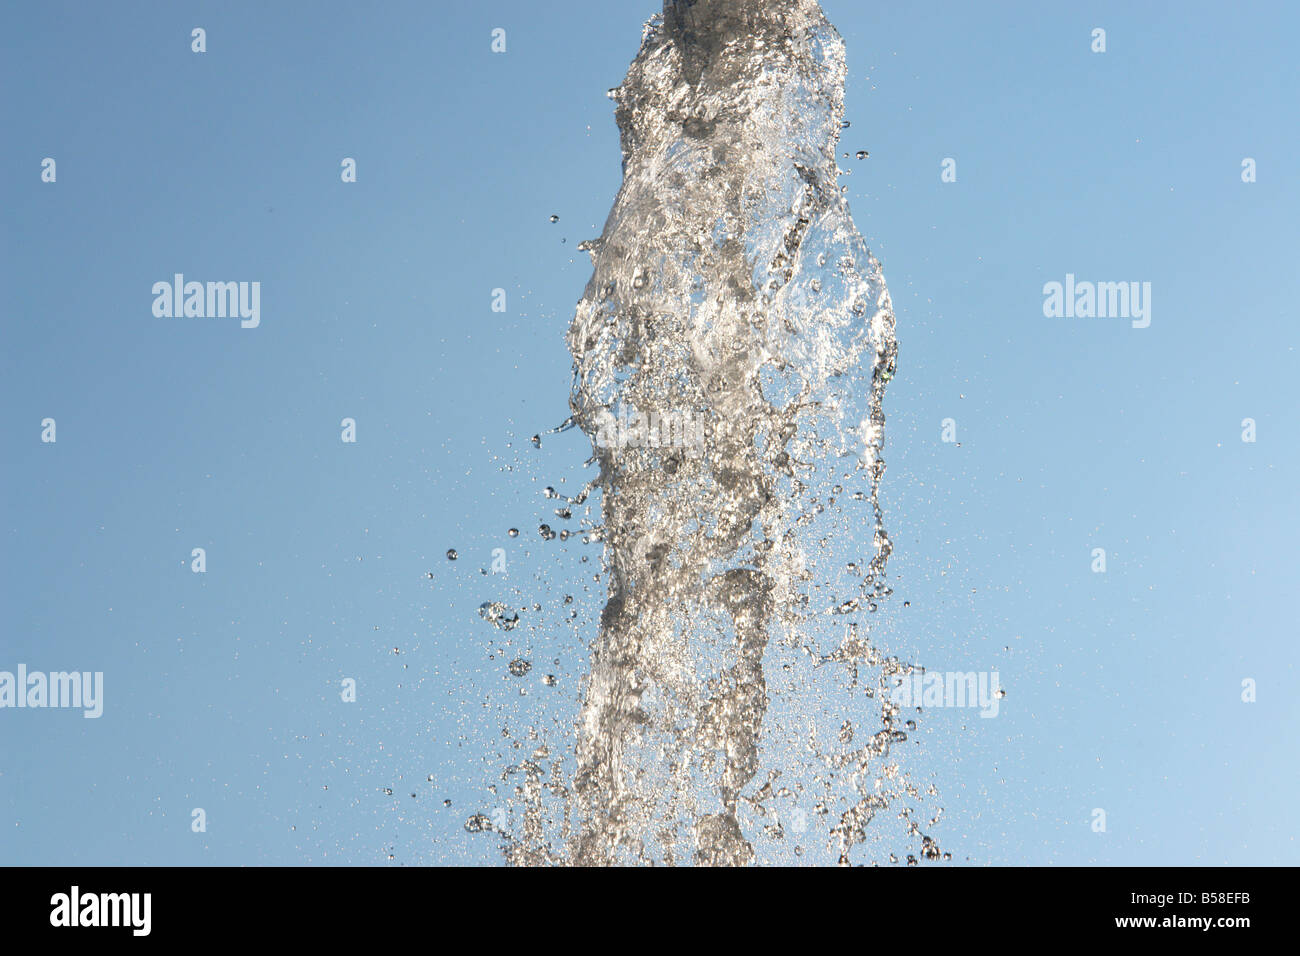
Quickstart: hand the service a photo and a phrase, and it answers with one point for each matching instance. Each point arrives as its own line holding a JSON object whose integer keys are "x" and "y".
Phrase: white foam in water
{"x": 731, "y": 353}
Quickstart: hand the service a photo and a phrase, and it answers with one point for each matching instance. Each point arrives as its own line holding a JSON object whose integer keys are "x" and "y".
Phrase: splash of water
{"x": 731, "y": 353}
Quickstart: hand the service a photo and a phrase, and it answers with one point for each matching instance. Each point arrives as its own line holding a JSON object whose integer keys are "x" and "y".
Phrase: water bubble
{"x": 862, "y": 154}
{"x": 451, "y": 554}
{"x": 555, "y": 219}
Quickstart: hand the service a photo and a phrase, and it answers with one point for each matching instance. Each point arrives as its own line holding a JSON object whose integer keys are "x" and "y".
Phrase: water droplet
{"x": 497, "y": 614}
{"x": 451, "y": 554}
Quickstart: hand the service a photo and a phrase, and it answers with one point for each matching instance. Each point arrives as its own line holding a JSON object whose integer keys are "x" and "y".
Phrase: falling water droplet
{"x": 499, "y": 615}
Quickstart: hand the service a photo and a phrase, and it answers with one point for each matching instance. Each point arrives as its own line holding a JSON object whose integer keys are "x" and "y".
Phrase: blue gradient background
{"x": 222, "y": 688}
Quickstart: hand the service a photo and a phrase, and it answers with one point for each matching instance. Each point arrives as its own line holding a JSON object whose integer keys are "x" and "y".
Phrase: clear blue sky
{"x": 221, "y": 689}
